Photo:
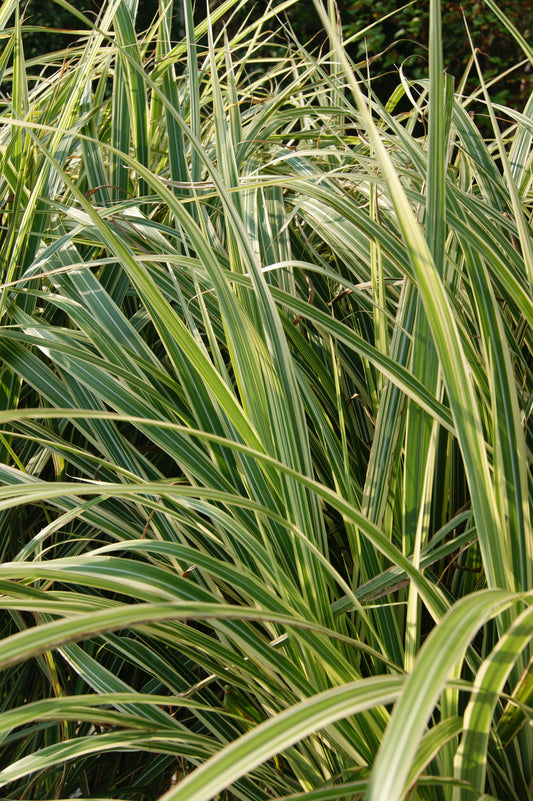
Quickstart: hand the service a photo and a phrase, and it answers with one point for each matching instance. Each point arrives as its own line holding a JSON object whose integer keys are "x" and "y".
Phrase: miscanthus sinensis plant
{"x": 266, "y": 392}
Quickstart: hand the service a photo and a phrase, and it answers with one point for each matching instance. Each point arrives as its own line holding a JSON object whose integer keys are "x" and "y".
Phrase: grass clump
{"x": 266, "y": 384}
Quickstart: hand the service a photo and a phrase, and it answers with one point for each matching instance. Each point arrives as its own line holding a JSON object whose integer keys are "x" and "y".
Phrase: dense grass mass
{"x": 266, "y": 389}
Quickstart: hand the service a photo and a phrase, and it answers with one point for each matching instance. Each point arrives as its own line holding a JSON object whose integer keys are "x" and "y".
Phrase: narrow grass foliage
{"x": 265, "y": 439}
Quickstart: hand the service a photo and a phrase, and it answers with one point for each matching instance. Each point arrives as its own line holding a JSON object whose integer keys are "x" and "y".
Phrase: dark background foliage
{"x": 403, "y": 39}
{"x": 398, "y": 41}
{"x": 57, "y": 20}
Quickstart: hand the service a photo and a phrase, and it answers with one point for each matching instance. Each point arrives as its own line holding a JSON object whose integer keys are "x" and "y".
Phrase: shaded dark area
{"x": 59, "y": 20}
{"x": 403, "y": 38}
{"x": 399, "y": 41}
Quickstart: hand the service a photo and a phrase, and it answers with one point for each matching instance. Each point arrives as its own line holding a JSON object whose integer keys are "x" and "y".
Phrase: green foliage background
{"x": 398, "y": 41}
{"x": 404, "y": 39}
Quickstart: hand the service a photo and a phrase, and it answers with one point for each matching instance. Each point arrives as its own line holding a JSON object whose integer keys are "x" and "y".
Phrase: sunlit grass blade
{"x": 472, "y": 756}
{"x": 434, "y": 666}
{"x": 280, "y": 732}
